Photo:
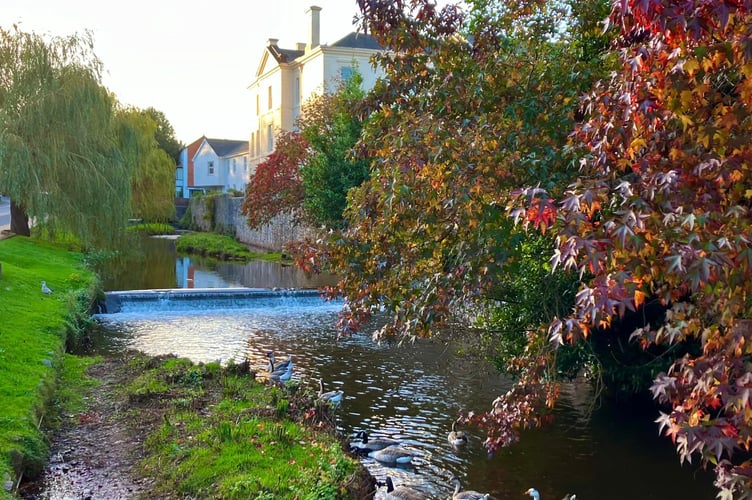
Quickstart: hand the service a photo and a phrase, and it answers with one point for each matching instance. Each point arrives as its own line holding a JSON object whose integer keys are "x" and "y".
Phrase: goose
{"x": 365, "y": 443}
{"x": 457, "y": 438}
{"x": 45, "y": 289}
{"x": 391, "y": 455}
{"x": 280, "y": 375}
{"x": 282, "y": 365}
{"x": 467, "y": 494}
{"x": 333, "y": 397}
{"x": 536, "y": 495}
{"x": 401, "y": 492}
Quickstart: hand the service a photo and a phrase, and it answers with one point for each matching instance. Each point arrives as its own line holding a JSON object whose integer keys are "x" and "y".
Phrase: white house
{"x": 212, "y": 165}
{"x": 285, "y": 78}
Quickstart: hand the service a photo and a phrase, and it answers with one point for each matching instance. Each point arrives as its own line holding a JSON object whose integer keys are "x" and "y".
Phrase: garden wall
{"x": 226, "y": 218}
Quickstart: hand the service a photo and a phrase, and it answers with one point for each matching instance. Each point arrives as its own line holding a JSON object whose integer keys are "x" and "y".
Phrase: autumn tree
{"x": 59, "y": 161}
{"x": 152, "y": 168}
{"x": 312, "y": 168}
{"x": 660, "y": 213}
{"x": 471, "y": 106}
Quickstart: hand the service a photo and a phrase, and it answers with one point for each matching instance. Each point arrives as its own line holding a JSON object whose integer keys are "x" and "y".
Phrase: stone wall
{"x": 227, "y": 219}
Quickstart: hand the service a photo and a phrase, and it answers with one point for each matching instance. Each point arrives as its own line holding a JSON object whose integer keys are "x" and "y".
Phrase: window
{"x": 345, "y": 73}
{"x": 179, "y": 174}
{"x": 270, "y": 138}
{"x": 245, "y": 164}
{"x": 270, "y": 97}
{"x": 211, "y": 168}
{"x": 232, "y": 167}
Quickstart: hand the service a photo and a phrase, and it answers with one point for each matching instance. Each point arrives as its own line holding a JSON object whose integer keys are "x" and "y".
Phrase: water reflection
{"x": 414, "y": 392}
{"x": 153, "y": 263}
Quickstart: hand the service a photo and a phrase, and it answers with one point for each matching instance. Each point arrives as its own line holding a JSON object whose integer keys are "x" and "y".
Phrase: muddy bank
{"x": 94, "y": 455}
{"x": 100, "y": 452}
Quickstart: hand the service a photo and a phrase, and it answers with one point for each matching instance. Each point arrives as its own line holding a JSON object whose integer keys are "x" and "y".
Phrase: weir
{"x": 183, "y": 299}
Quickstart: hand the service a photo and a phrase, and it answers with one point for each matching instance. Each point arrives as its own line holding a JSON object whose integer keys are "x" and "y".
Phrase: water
{"x": 153, "y": 263}
{"x": 412, "y": 393}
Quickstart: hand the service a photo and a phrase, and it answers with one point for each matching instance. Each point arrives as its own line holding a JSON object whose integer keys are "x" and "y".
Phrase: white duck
{"x": 536, "y": 495}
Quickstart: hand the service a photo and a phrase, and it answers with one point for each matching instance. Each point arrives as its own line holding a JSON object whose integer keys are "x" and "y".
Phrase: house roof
{"x": 284, "y": 55}
{"x": 357, "y": 41}
{"x": 227, "y": 147}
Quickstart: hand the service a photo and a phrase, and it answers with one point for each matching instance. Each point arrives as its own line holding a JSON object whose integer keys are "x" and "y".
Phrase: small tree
{"x": 153, "y": 170}
{"x": 312, "y": 169}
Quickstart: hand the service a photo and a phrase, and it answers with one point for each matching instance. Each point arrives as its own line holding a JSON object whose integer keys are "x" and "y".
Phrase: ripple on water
{"x": 413, "y": 394}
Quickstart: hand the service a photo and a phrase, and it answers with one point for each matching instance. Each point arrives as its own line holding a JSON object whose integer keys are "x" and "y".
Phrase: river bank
{"x": 163, "y": 427}
{"x": 146, "y": 427}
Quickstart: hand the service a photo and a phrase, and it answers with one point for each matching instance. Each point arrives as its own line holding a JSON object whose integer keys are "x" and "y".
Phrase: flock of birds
{"x": 388, "y": 451}
{"x": 282, "y": 372}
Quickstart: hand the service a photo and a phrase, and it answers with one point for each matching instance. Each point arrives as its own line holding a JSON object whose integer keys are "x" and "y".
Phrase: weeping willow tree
{"x": 153, "y": 175}
{"x": 60, "y": 161}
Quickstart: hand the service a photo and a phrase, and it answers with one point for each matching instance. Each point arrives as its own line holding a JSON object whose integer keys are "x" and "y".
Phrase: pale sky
{"x": 192, "y": 61}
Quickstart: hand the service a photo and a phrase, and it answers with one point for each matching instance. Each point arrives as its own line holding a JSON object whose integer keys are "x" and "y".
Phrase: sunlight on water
{"x": 412, "y": 394}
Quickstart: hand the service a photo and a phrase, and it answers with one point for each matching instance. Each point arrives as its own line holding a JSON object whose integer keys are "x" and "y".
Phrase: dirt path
{"x": 94, "y": 456}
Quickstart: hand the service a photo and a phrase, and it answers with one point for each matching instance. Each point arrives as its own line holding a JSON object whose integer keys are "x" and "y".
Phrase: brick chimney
{"x": 314, "y": 31}
{"x": 273, "y": 42}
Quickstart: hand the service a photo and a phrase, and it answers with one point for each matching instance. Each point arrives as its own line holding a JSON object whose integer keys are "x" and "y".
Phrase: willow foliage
{"x": 59, "y": 160}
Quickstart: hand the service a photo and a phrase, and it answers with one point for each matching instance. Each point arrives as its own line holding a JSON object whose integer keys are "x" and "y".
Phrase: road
{"x": 4, "y": 212}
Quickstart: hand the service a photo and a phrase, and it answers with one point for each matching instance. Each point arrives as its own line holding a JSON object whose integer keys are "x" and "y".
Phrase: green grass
{"x": 220, "y": 434}
{"x": 33, "y": 330}
{"x": 220, "y": 247}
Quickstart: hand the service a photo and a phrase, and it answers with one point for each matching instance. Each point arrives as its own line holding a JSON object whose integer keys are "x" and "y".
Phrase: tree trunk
{"x": 19, "y": 221}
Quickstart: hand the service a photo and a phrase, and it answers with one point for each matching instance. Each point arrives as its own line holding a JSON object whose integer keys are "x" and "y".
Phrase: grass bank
{"x": 34, "y": 330}
{"x": 214, "y": 432}
{"x": 220, "y": 247}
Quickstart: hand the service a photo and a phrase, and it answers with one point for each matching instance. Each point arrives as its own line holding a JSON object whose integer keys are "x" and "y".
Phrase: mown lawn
{"x": 33, "y": 330}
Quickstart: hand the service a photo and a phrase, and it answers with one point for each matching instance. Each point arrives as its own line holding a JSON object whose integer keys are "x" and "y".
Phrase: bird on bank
{"x": 45, "y": 289}
{"x": 391, "y": 455}
{"x": 363, "y": 442}
{"x": 334, "y": 397}
{"x": 278, "y": 375}
{"x": 401, "y": 492}
{"x": 457, "y": 438}
{"x": 459, "y": 494}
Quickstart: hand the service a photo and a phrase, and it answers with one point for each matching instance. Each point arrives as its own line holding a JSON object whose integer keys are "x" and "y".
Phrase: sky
{"x": 192, "y": 61}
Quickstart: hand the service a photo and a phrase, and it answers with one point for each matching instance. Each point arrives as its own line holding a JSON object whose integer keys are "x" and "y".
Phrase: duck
{"x": 467, "y": 494}
{"x": 401, "y": 492}
{"x": 457, "y": 438}
{"x": 45, "y": 289}
{"x": 391, "y": 455}
{"x": 334, "y": 397}
{"x": 365, "y": 443}
{"x": 536, "y": 495}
